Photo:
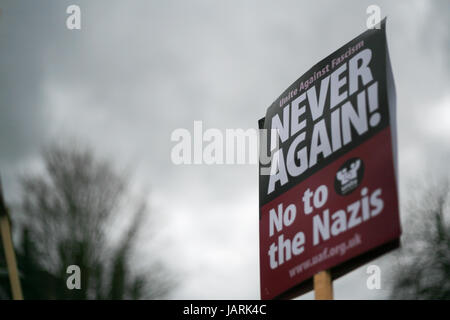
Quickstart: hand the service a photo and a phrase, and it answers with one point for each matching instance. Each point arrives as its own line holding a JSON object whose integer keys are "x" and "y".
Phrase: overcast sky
{"x": 137, "y": 70}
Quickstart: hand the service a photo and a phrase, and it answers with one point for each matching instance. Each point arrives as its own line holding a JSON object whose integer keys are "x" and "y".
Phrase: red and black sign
{"x": 328, "y": 192}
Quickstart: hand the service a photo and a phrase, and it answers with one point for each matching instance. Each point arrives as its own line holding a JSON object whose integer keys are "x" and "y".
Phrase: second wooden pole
{"x": 323, "y": 286}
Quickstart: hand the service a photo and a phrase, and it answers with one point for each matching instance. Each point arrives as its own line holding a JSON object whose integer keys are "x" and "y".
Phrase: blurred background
{"x": 85, "y": 125}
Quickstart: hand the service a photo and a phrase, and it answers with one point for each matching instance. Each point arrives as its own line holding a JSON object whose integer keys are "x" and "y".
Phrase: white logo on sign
{"x": 345, "y": 176}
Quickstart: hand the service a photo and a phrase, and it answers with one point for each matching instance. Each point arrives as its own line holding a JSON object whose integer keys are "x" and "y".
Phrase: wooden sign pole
{"x": 10, "y": 258}
{"x": 323, "y": 285}
{"x": 5, "y": 231}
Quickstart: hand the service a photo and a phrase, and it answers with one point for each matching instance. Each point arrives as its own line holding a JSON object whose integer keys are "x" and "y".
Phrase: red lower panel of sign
{"x": 339, "y": 213}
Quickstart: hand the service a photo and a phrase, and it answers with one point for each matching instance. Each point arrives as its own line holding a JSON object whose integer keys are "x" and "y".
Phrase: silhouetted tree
{"x": 423, "y": 269}
{"x": 68, "y": 215}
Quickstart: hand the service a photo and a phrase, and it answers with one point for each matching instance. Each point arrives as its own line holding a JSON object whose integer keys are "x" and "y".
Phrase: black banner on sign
{"x": 338, "y": 104}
